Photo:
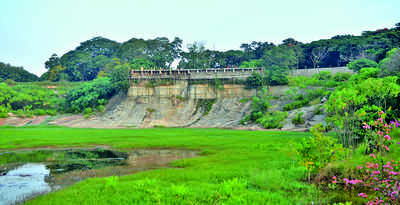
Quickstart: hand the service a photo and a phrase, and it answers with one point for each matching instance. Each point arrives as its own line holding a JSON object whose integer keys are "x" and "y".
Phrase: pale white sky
{"x": 31, "y": 30}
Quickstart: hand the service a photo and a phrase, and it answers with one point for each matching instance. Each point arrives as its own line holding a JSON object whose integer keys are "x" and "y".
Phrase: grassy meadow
{"x": 233, "y": 167}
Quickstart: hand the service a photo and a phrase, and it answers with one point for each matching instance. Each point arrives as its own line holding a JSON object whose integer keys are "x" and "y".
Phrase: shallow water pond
{"x": 19, "y": 182}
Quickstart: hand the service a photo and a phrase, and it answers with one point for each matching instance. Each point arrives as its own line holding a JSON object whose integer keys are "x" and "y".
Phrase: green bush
{"x": 319, "y": 150}
{"x": 30, "y": 98}
{"x": 298, "y": 119}
{"x": 3, "y": 115}
{"x": 87, "y": 112}
{"x": 341, "y": 77}
{"x": 100, "y": 108}
{"x": 259, "y": 113}
{"x": 254, "y": 81}
{"x": 390, "y": 66}
{"x": 358, "y": 64}
{"x": 89, "y": 95}
{"x": 296, "y": 104}
{"x": 39, "y": 112}
{"x": 302, "y": 100}
{"x": 323, "y": 75}
{"x": 10, "y": 82}
{"x": 318, "y": 110}
{"x": 272, "y": 120}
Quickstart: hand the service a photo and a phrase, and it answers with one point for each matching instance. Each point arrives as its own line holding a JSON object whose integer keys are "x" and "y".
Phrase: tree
{"x": 252, "y": 64}
{"x": 390, "y": 66}
{"x": 142, "y": 63}
{"x": 53, "y": 61}
{"x": 357, "y": 65}
{"x": 120, "y": 77}
{"x": 195, "y": 54}
{"x": 275, "y": 75}
{"x": 18, "y": 74}
{"x": 280, "y": 56}
{"x": 397, "y": 26}
{"x": 317, "y": 55}
{"x": 296, "y": 46}
{"x": 175, "y": 49}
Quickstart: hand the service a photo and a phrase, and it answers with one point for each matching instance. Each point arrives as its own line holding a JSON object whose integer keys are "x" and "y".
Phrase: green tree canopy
{"x": 358, "y": 64}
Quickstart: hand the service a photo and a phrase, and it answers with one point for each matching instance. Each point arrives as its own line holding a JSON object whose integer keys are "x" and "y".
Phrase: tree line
{"x": 99, "y": 56}
{"x": 19, "y": 74}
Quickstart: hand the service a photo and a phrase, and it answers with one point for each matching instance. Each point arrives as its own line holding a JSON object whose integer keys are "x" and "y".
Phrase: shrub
{"x": 341, "y": 77}
{"x": 295, "y": 105}
{"x": 323, "y": 75}
{"x": 318, "y": 150}
{"x": 318, "y": 110}
{"x": 39, "y": 112}
{"x": 254, "y": 81}
{"x": 358, "y": 64}
{"x": 3, "y": 115}
{"x": 259, "y": 113}
{"x": 89, "y": 95}
{"x": 10, "y": 82}
{"x": 51, "y": 112}
{"x": 100, "y": 108}
{"x": 390, "y": 66}
{"x": 272, "y": 120}
{"x": 87, "y": 112}
{"x": 298, "y": 119}
{"x": 150, "y": 110}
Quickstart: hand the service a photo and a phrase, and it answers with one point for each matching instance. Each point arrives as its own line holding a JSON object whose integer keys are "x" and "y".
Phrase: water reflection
{"x": 23, "y": 182}
{"x": 29, "y": 180}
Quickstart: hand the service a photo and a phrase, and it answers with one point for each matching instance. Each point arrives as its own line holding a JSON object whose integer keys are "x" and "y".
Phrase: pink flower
{"x": 372, "y": 155}
{"x": 363, "y": 195}
{"x": 387, "y": 148}
{"x": 376, "y": 172}
{"x": 334, "y": 177}
{"x": 387, "y": 137}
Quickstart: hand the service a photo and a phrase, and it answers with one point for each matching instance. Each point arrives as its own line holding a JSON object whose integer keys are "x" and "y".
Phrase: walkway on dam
{"x": 218, "y": 73}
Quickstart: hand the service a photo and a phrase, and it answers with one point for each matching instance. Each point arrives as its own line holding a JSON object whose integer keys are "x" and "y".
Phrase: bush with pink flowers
{"x": 378, "y": 180}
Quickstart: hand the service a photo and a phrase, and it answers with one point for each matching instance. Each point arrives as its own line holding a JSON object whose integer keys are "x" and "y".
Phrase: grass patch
{"x": 234, "y": 167}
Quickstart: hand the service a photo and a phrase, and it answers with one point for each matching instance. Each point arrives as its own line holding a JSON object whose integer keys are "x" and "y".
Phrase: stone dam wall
{"x": 183, "y": 89}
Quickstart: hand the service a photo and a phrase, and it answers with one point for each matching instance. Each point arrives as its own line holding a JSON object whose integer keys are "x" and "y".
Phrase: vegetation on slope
{"x": 28, "y": 99}
{"x": 19, "y": 74}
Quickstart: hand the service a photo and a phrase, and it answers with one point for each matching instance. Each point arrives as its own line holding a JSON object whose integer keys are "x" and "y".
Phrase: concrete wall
{"x": 312, "y": 71}
{"x": 196, "y": 91}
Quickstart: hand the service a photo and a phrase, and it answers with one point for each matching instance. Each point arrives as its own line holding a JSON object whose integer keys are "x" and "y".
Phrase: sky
{"x": 32, "y": 30}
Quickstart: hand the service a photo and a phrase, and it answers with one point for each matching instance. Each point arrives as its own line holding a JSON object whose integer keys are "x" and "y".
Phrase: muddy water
{"x": 25, "y": 181}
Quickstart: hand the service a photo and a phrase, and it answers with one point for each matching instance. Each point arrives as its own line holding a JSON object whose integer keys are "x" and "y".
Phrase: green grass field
{"x": 234, "y": 167}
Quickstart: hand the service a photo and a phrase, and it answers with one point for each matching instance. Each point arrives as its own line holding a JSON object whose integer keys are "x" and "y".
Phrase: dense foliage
{"x": 18, "y": 74}
{"x": 28, "y": 100}
{"x": 97, "y": 54}
{"x": 89, "y": 95}
{"x": 358, "y": 100}
{"x": 358, "y": 64}
{"x": 259, "y": 113}
{"x": 390, "y": 66}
